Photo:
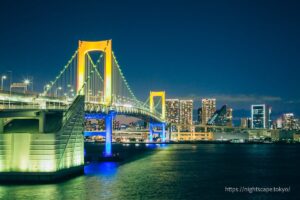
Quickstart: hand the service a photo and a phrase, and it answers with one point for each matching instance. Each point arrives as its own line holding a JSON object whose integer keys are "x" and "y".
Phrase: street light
{"x": 71, "y": 92}
{"x": 46, "y": 87}
{"x": 26, "y": 82}
{"x": 10, "y": 81}
{"x": 59, "y": 88}
{"x": 2, "y": 79}
{"x": 66, "y": 96}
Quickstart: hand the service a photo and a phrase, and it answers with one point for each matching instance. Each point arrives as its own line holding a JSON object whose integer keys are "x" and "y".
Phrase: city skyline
{"x": 242, "y": 62}
{"x": 152, "y": 99}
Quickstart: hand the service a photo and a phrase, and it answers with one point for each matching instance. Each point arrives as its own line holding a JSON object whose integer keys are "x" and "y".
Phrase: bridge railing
{"x": 34, "y": 106}
{"x": 16, "y": 93}
{"x": 33, "y": 102}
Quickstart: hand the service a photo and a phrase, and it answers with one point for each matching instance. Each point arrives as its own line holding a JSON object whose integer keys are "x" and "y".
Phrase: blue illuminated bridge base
{"x": 108, "y": 138}
{"x": 108, "y": 129}
{"x": 157, "y": 128}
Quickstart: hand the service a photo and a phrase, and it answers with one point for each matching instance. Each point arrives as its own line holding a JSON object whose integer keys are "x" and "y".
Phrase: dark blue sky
{"x": 240, "y": 52}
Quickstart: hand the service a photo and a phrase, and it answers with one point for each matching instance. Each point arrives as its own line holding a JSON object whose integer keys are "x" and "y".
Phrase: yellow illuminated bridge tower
{"x": 103, "y": 46}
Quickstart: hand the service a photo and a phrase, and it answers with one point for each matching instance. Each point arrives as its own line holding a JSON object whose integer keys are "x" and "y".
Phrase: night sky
{"x": 240, "y": 52}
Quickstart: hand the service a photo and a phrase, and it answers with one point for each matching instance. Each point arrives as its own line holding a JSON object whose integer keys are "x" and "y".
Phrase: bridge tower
{"x": 161, "y": 94}
{"x": 105, "y": 47}
{"x": 161, "y": 125}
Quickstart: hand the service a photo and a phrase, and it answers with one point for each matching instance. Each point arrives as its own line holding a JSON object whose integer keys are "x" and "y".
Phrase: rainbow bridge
{"x": 51, "y": 145}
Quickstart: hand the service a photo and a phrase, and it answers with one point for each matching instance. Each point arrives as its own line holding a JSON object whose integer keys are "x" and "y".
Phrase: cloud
{"x": 243, "y": 102}
{"x": 241, "y": 98}
{"x": 247, "y": 98}
{"x": 293, "y": 102}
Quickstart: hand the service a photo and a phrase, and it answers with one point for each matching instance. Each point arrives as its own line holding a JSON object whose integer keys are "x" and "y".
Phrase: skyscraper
{"x": 245, "y": 122}
{"x": 260, "y": 116}
{"x": 229, "y": 116}
{"x": 288, "y": 121}
{"x": 222, "y": 117}
{"x": 199, "y": 117}
{"x": 172, "y": 110}
{"x": 208, "y": 109}
{"x": 186, "y": 112}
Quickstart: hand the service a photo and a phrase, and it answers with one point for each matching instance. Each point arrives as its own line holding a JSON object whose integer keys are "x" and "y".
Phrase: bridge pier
{"x": 150, "y": 132}
{"x": 108, "y": 129}
{"x": 31, "y": 154}
{"x": 163, "y": 132}
{"x": 42, "y": 121}
{"x": 161, "y": 125}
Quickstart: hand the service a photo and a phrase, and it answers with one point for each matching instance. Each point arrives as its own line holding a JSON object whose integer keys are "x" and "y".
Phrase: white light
{"x": 127, "y": 105}
{"x": 26, "y": 81}
{"x": 4, "y": 77}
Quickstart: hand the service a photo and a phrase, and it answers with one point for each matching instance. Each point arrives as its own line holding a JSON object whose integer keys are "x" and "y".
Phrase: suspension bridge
{"x": 88, "y": 84}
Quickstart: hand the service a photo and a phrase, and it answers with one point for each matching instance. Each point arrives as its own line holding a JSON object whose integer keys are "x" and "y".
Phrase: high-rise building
{"x": 186, "y": 112}
{"x": 208, "y": 109}
{"x": 229, "y": 117}
{"x": 245, "y": 122}
{"x": 289, "y": 122}
{"x": 199, "y": 117}
{"x": 222, "y": 117}
{"x": 172, "y": 111}
{"x": 260, "y": 116}
{"x": 279, "y": 123}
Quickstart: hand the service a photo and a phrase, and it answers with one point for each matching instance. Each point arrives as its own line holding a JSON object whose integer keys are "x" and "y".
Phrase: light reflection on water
{"x": 155, "y": 146}
{"x": 179, "y": 171}
{"x": 102, "y": 168}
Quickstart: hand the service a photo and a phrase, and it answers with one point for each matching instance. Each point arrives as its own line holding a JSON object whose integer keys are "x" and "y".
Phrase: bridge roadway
{"x": 35, "y": 102}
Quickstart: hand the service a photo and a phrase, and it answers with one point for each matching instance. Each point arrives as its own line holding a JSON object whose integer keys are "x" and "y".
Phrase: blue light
{"x": 162, "y": 132}
{"x": 163, "y": 126}
{"x": 102, "y": 168}
{"x": 94, "y": 116}
{"x": 150, "y": 146}
{"x": 94, "y": 133}
{"x": 150, "y": 132}
{"x": 108, "y": 138}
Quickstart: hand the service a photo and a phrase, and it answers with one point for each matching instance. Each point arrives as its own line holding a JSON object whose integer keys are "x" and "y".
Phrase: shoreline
{"x": 202, "y": 142}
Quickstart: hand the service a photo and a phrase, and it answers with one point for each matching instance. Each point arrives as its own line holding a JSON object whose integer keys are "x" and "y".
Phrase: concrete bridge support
{"x": 1, "y": 125}
{"x": 36, "y": 155}
{"x": 42, "y": 121}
